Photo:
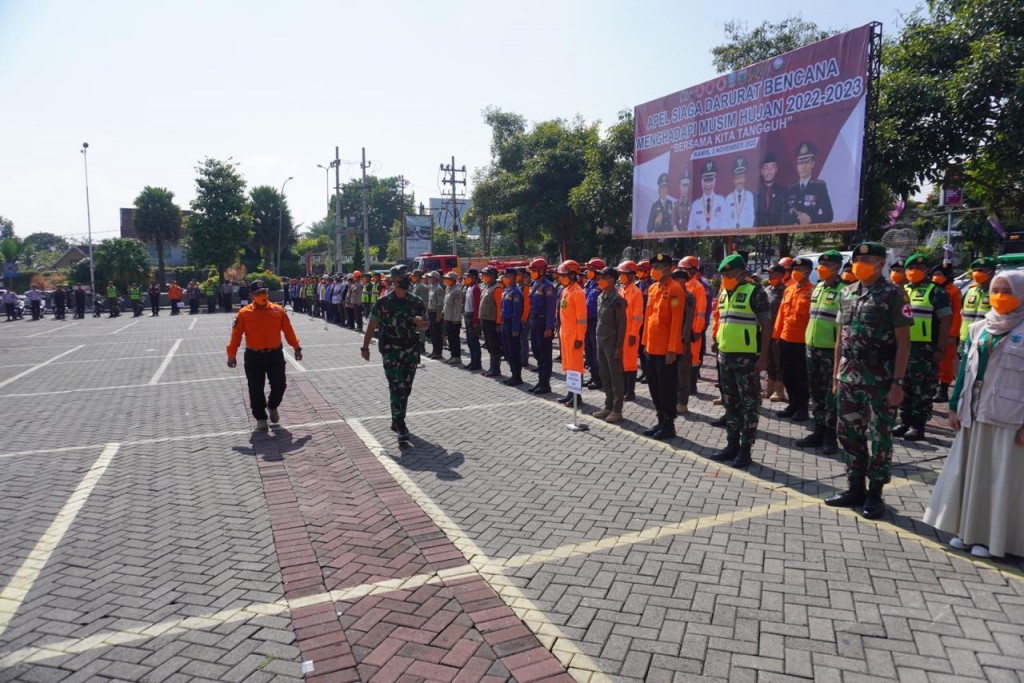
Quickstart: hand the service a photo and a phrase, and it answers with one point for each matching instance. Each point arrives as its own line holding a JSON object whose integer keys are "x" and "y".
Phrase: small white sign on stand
{"x": 574, "y": 383}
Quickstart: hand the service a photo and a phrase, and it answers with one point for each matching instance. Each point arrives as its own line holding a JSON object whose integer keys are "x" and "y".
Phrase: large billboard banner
{"x": 419, "y": 235}
{"x": 775, "y": 147}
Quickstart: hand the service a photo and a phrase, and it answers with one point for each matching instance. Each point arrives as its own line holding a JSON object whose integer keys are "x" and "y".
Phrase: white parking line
{"x": 192, "y": 326}
{"x": 52, "y": 329}
{"x": 167, "y": 361}
{"x": 25, "y": 577}
{"x": 120, "y": 386}
{"x": 36, "y": 367}
{"x": 126, "y": 326}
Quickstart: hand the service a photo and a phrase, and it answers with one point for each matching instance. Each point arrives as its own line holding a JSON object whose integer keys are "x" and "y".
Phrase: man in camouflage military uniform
{"x": 871, "y": 362}
{"x": 929, "y": 334}
{"x": 399, "y": 316}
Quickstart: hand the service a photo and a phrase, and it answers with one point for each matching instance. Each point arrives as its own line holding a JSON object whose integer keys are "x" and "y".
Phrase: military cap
{"x": 806, "y": 149}
{"x": 257, "y": 286}
{"x": 803, "y": 261}
{"x": 451, "y": 275}
{"x": 943, "y": 269}
{"x": 916, "y": 260}
{"x": 869, "y": 249}
{"x": 489, "y": 270}
{"x": 984, "y": 262}
{"x": 831, "y": 256}
{"x": 730, "y": 262}
{"x": 662, "y": 260}
{"x": 511, "y": 270}
{"x": 769, "y": 158}
{"x": 709, "y": 169}
{"x": 663, "y": 179}
{"x": 678, "y": 274}
{"x": 685, "y": 178}
{"x": 776, "y": 269}
{"x": 739, "y": 166}
{"x": 610, "y": 271}
{"x": 398, "y": 272}
{"x": 898, "y": 263}
{"x": 418, "y": 272}
{"x": 473, "y": 272}
{"x": 433, "y": 273}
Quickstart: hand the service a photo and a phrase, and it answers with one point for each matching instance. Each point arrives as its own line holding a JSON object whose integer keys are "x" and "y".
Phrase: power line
{"x": 451, "y": 178}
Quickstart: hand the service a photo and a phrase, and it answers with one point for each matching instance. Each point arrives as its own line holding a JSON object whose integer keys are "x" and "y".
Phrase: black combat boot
{"x": 900, "y": 429}
{"x": 718, "y": 422}
{"x": 629, "y": 382}
{"x": 874, "y": 506}
{"x": 831, "y": 446}
{"x": 915, "y": 433}
{"x": 852, "y": 497}
{"x": 942, "y": 395}
{"x": 788, "y": 411}
{"x": 730, "y": 452}
{"x": 742, "y": 460}
{"x": 812, "y": 440}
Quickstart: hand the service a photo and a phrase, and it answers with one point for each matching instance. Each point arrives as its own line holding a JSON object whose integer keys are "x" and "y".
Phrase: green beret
{"x": 915, "y": 260}
{"x": 734, "y": 261}
{"x": 831, "y": 256}
{"x": 985, "y": 262}
{"x": 869, "y": 249}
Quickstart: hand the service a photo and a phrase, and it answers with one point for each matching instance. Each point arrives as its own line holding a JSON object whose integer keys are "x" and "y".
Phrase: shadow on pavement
{"x": 420, "y": 455}
{"x": 273, "y": 445}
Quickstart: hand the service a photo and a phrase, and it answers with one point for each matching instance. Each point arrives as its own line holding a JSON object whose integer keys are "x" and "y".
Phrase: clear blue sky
{"x": 156, "y": 86}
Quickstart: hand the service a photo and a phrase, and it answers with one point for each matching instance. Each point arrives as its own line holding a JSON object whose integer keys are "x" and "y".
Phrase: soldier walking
{"x": 543, "y": 314}
{"x": 609, "y": 340}
{"x": 399, "y": 316}
{"x": 871, "y": 363}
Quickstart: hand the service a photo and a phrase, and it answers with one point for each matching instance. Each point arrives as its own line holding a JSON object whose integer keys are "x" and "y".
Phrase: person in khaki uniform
{"x": 609, "y": 338}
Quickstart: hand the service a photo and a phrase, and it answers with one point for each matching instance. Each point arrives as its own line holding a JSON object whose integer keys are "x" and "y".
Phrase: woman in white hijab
{"x": 978, "y": 495}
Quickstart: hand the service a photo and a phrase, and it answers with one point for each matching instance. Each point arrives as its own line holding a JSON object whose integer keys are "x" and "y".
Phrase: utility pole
{"x": 451, "y": 178}
{"x": 366, "y": 215}
{"x": 337, "y": 209}
{"x": 403, "y": 247}
{"x": 88, "y": 220}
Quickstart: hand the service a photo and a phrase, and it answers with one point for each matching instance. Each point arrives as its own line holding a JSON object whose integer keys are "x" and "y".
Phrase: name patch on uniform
{"x": 675, "y": 302}
{"x": 830, "y": 297}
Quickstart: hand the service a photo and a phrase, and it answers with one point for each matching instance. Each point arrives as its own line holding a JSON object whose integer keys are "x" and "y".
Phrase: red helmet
{"x": 627, "y": 266}
{"x": 539, "y": 264}
{"x": 644, "y": 265}
{"x": 595, "y": 264}
{"x": 786, "y": 262}
{"x": 569, "y": 266}
{"x": 689, "y": 262}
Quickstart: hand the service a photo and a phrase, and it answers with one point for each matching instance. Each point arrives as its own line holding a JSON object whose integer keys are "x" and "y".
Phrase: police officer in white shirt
{"x": 739, "y": 204}
{"x": 708, "y": 212}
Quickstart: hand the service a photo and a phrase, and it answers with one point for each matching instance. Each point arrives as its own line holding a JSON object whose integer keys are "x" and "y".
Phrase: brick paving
{"x": 498, "y": 546}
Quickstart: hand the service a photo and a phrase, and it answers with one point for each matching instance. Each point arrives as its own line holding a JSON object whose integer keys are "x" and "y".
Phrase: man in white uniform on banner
{"x": 708, "y": 212}
{"x": 739, "y": 204}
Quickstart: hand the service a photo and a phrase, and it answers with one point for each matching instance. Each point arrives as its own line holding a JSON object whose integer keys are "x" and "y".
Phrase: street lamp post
{"x": 280, "y": 223}
{"x": 88, "y": 220}
{"x": 327, "y": 186}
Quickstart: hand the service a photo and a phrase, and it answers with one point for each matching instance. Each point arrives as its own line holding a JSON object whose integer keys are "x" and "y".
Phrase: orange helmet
{"x": 569, "y": 266}
{"x": 595, "y": 264}
{"x": 539, "y": 264}
{"x": 689, "y": 262}
{"x": 644, "y": 265}
{"x": 786, "y": 262}
{"x": 357, "y": 274}
{"x": 627, "y": 266}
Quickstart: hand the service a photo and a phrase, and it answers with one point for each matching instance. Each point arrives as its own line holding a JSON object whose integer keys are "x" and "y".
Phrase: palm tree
{"x": 122, "y": 261}
{"x": 157, "y": 221}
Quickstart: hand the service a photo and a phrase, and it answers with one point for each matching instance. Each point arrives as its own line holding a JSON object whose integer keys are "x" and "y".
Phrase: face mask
{"x": 896, "y": 276}
{"x": 656, "y": 274}
{"x": 507, "y": 281}
{"x": 591, "y": 275}
{"x": 564, "y": 280}
{"x": 261, "y": 299}
{"x": 730, "y": 283}
{"x": 775, "y": 280}
{"x": 916, "y": 275}
{"x": 402, "y": 284}
{"x": 603, "y": 284}
{"x": 1004, "y": 303}
{"x": 624, "y": 279}
{"x": 849, "y": 277}
{"x": 535, "y": 274}
{"x": 799, "y": 276}
{"x": 824, "y": 272}
{"x": 939, "y": 279}
{"x": 864, "y": 271}
{"x": 980, "y": 277}
{"x": 487, "y": 279}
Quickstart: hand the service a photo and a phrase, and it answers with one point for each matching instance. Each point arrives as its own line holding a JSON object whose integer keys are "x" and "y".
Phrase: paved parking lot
{"x": 149, "y": 536}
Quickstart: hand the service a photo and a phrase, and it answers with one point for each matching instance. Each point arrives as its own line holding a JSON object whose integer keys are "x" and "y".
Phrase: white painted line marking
{"x": 25, "y": 577}
{"x": 52, "y": 329}
{"x": 193, "y": 325}
{"x": 167, "y": 361}
{"x": 36, "y": 367}
{"x": 438, "y": 411}
{"x": 126, "y": 326}
{"x": 347, "y": 367}
{"x": 120, "y": 386}
{"x": 291, "y": 359}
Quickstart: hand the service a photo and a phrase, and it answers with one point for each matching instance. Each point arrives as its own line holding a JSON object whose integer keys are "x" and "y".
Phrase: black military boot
{"x": 629, "y": 393}
{"x": 788, "y": 411}
{"x": 730, "y": 452}
{"x": 915, "y": 433}
{"x": 812, "y": 440}
{"x": 942, "y": 394}
{"x": 742, "y": 460}
{"x": 874, "y": 506}
{"x": 718, "y": 422}
{"x": 900, "y": 429}
{"x": 852, "y": 497}
{"x": 801, "y": 415}
{"x": 831, "y": 446}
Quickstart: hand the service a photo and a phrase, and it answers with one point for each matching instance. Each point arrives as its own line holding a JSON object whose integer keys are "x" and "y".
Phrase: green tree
{"x": 220, "y": 225}
{"x": 271, "y": 218}
{"x": 6, "y": 228}
{"x": 11, "y": 248}
{"x": 122, "y": 261}
{"x": 387, "y": 202}
{"x": 744, "y": 46}
{"x": 157, "y": 221}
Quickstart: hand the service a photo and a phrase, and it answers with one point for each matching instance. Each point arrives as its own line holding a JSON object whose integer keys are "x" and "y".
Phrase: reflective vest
{"x": 921, "y": 305}
{"x": 823, "y": 327}
{"x": 976, "y": 305}
{"x": 135, "y": 293}
{"x": 374, "y": 288}
{"x": 367, "y": 290}
{"x": 209, "y": 291}
{"x": 737, "y": 327}
{"x": 111, "y": 292}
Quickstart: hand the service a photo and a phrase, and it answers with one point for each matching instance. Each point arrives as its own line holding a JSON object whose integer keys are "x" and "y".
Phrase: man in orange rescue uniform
{"x": 262, "y": 324}
{"x": 634, "y": 322}
{"x": 572, "y": 315}
{"x": 663, "y": 340}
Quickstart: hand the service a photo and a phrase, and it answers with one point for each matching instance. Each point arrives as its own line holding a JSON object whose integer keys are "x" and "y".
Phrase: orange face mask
{"x": 824, "y": 272}
{"x": 656, "y": 274}
{"x": 980, "y": 276}
{"x": 1004, "y": 303}
{"x": 939, "y": 279}
{"x": 774, "y": 279}
{"x": 624, "y": 279}
{"x": 603, "y": 284}
{"x": 896, "y": 276}
{"x": 849, "y": 277}
{"x": 564, "y": 280}
{"x": 591, "y": 275}
{"x": 507, "y": 281}
{"x": 535, "y": 274}
{"x": 730, "y": 283}
{"x": 916, "y": 275}
{"x": 261, "y": 299}
{"x": 799, "y": 276}
{"x": 865, "y": 271}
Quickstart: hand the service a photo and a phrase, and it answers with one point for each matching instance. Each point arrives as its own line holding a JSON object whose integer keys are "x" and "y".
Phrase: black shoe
{"x": 541, "y": 389}
{"x": 394, "y": 426}
{"x": 566, "y": 400}
{"x": 787, "y": 412}
{"x": 852, "y": 497}
{"x": 491, "y": 374}
{"x": 651, "y": 431}
{"x": 718, "y": 422}
{"x": 900, "y": 430}
{"x": 874, "y": 506}
{"x": 942, "y": 395}
{"x": 403, "y": 432}
{"x": 642, "y": 379}
{"x": 730, "y": 452}
{"x": 801, "y": 416}
{"x": 664, "y": 433}
{"x": 631, "y": 397}
{"x": 830, "y": 447}
{"x": 742, "y": 460}
{"x": 812, "y": 440}
{"x": 513, "y": 382}
{"x": 914, "y": 434}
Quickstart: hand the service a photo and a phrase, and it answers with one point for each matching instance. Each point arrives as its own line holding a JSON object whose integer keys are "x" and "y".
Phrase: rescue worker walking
{"x": 871, "y": 363}
{"x": 609, "y": 338}
{"x": 790, "y": 331}
{"x": 742, "y": 341}
{"x": 490, "y": 319}
{"x": 399, "y": 316}
{"x": 929, "y": 335}
{"x": 634, "y": 323}
{"x": 512, "y": 326}
{"x": 663, "y": 340}
{"x": 820, "y": 338}
{"x": 543, "y": 313}
{"x": 573, "y": 324}
{"x": 262, "y": 324}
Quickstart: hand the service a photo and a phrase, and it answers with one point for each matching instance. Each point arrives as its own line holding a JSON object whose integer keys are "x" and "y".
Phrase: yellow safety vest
{"x": 976, "y": 305}
{"x": 823, "y": 327}
{"x": 737, "y": 324}
{"x": 923, "y": 310}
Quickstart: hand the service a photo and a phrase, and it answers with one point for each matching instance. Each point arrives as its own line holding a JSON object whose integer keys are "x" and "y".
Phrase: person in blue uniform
{"x": 543, "y": 318}
{"x": 591, "y": 291}
{"x": 808, "y": 201}
{"x": 512, "y": 326}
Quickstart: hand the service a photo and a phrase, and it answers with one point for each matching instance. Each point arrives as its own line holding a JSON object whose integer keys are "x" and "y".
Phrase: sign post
{"x": 574, "y": 383}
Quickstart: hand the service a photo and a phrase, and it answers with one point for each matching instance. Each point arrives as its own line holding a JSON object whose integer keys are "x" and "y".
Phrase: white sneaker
{"x": 957, "y": 542}
{"x": 981, "y": 551}
{"x": 262, "y": 426}
{"x": 275, "y": 418}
